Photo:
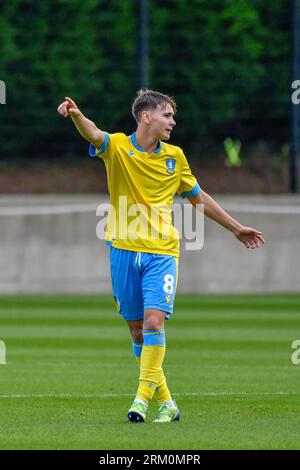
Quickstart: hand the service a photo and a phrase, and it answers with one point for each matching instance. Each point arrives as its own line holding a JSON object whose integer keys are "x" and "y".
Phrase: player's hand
{"x": 68, "y": 108}
{"x": 250, "y": 237}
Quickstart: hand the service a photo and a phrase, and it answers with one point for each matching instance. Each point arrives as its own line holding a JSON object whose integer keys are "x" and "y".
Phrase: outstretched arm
{"x": 85, "y": 127}
{"x": 249, "y": 236}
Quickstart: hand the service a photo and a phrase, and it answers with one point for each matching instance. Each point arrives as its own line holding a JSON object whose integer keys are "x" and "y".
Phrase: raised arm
{"x": 249, "y": 236}
{"x": 85, "y": 127}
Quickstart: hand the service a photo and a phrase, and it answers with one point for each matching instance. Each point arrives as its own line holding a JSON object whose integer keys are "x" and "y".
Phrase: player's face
{"x": 162, "y": 121}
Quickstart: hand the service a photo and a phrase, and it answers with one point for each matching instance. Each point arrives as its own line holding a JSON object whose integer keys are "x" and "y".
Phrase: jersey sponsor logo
{"x": 131, "y": 153}
{"x": 170, "y": 164}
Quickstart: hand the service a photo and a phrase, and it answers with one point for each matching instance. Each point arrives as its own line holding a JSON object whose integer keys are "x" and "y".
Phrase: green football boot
{"x": 137, "y": 412}
{"x": 167, "y": 414}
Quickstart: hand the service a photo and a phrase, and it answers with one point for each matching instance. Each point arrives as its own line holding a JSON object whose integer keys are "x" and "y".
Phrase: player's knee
{"x": 153, "y": 322}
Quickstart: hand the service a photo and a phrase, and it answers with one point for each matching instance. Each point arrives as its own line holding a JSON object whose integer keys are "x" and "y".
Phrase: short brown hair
{"x": 149, "y": 100}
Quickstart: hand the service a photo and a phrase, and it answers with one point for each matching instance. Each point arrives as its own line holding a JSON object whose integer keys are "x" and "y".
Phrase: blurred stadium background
{"x": 230, "y": 65}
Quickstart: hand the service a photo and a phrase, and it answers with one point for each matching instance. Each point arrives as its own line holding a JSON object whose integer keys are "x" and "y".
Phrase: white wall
{"x": 59, "y": 252}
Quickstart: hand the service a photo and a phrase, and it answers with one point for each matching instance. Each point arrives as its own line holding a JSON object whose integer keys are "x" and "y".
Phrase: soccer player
{"x": 146, "y": 172}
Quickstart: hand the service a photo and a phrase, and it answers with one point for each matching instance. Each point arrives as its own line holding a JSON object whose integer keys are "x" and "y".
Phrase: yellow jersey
{"x": 142, "y": 187}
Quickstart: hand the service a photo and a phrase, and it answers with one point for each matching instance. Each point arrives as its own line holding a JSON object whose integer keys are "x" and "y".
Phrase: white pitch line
{"x": 113, "y": 364}
{"x": 116, "y": 395}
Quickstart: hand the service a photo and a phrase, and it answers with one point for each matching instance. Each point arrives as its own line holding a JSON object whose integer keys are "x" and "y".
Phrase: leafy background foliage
{"x": 226, "y": 63}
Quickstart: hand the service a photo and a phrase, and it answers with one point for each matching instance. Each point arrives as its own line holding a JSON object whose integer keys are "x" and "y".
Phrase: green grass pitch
{"x": 70, "y": 374}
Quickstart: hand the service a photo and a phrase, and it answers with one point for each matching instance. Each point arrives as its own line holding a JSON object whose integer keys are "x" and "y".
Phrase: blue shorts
{"x": 141, "y": 281}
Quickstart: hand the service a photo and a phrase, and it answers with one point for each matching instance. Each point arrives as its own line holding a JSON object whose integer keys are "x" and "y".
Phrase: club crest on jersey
{"x": 170, "y": 164}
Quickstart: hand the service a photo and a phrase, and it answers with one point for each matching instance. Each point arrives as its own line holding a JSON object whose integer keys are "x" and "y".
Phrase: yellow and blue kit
{"x": 144, "y": 243}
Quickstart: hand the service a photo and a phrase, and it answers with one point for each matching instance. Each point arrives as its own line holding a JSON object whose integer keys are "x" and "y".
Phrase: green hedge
{"x": 226, "y": 62}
